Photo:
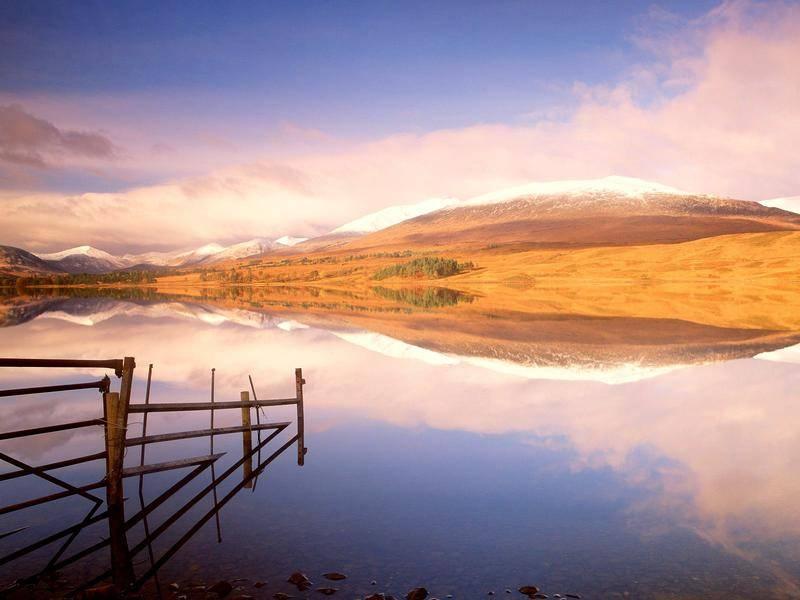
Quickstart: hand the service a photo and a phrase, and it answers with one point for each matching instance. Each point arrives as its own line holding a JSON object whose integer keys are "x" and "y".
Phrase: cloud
{"x": 28, "y": 140}
{"x": 714, "y": 109}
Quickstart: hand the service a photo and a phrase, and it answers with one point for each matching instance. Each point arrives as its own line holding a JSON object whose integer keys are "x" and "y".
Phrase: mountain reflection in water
{"x": 428, "y": 467}
{"x": 535, "y": 345}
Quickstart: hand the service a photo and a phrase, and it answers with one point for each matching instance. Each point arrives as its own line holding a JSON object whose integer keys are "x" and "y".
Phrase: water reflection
{"x": 425, "y": 297}
{"x": 530, "y": 344}
{"x": 689, "y": 466}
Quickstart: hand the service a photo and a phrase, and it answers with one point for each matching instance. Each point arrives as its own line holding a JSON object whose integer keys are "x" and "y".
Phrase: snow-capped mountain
{"x": 87, "y": 259}
{"x": 176, "y": 258}
{"x": 790, "y": 203}
{"x": 628, "y": 187}
{"x": 215, "y": 253}
{"x": 394, "y": 215}
{"x": 578, "y": 213}
{"x": 89, "y": 251}
{"x": 84, "y": 259}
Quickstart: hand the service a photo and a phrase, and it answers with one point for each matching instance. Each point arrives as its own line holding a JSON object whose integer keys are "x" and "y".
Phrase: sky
{"x": 135, "y": 126}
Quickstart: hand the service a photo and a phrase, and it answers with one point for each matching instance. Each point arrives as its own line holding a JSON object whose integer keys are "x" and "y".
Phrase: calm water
{"x": 642, "y": 468}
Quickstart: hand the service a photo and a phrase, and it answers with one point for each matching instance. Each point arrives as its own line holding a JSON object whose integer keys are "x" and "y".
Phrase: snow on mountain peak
{"x": 240, "y": 250}
{"x": 212, "y": 248}
{"x": 394, "y": 215}
{"x": 617, "y": 184}
{"x": 288, "y": 240}
{"x": 81, "y": 250}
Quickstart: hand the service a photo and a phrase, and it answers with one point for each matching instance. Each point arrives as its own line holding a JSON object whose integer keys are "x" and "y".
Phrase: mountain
{"x": 790, "y": 203}
{"x": 87, "y": 251}
{"x": 87, "y": 259}
{"x": 246, "y": 249}
{"x": 203, "y": 253}
{"x": 178, "y": 258}
{"x": 16, "y": 262}
{"x": 344, "y": 234}
{"x": 84, "y": 259}
{"x": 603, "y": 212}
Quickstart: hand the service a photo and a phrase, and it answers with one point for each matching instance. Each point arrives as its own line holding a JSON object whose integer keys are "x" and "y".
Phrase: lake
{"x": 464, "y": 443}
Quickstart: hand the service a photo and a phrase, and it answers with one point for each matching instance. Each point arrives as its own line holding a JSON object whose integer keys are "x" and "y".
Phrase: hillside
{"x": 709, "y": 271}
{"x": 573, "y": 220}
{"x": 15, "y": 262}
{"x": 739, "y": 257}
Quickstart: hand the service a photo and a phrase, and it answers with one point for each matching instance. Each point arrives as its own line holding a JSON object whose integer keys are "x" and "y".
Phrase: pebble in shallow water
{"x": 221, "y": 588}
{"x": 300, "y": 580}
{"x": 419, "y": 593}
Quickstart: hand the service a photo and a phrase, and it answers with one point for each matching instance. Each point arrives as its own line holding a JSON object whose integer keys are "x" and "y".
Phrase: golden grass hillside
{"x": 752, "y": 257}
{"x": 744, "y": 281}
{"x": 761, "y": 257}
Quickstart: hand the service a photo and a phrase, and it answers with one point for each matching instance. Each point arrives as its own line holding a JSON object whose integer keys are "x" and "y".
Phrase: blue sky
{"x": 350, "y": 68}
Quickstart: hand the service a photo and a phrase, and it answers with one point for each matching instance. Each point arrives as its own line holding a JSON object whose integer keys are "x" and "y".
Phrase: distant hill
{"x": 19, "y": 262}
{"x": 87, "y": 259}
{"x": 84, "y": 259}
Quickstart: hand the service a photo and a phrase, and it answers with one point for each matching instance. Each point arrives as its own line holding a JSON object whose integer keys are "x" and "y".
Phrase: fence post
{"x": 126, "y": 384}
{"x": 247, "y": 441}
{"x": 115, "y": 413}
{"x": 301, "y": 442}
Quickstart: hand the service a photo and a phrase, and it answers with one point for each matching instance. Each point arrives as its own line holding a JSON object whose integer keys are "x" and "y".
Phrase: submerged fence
{"x": 117, "y": 407}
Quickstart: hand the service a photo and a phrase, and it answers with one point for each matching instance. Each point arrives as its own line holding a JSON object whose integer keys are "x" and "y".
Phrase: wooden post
{"x": 126, "y": 384}
{"x": 247, "y": 440}
{"x": 211, "y": 452}
{"x": 301, "y": 442}
{"x": 115, "y": 407}
{"x": 122, "y": 570}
